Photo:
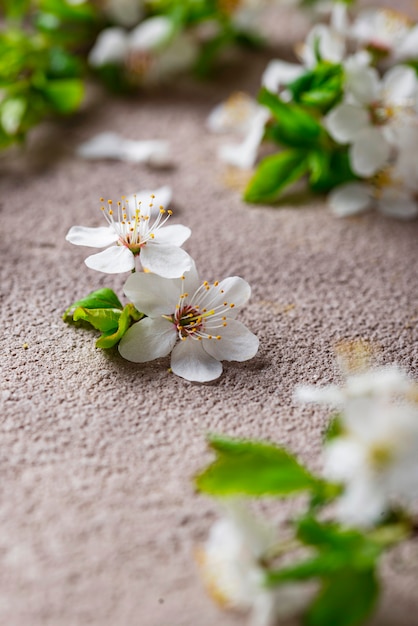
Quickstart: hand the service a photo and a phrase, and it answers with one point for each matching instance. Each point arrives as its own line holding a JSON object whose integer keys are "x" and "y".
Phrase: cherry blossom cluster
{"x": 346, "y": 116}
{"x": 364, "y": 503}
{"x": 171, "y": 311}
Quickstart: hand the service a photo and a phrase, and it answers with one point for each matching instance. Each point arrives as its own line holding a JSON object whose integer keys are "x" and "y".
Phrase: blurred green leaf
{"x": 328, "y": 169}
{"x": 105, "y": 320}
{"x": 293, "y": 126}
{"x": 65, "y": 95}
{"x": 254, "y": 469}
{"x": 274, "y": 174}
{"x": 346, "y": 599}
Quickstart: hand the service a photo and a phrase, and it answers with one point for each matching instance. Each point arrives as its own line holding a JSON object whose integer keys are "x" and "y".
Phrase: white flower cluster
{"x": 192, "y": 320}
{"x": 377, "y": 118}
{"x": 375, "y": 455}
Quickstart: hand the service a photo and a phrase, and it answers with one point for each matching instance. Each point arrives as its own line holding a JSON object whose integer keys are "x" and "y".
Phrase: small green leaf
{"x": 293, "y": 125}
{"x": 128, "y": 315}
{"x": 346, "y": 599}
{"x": 274, "y": 174}
{"x": 105, "y": 320}
{"x": 65, "y": 95}
{"x": 101, "y": 299}
{"x": 253, "y": 468}
{"x": 329, "y": 169}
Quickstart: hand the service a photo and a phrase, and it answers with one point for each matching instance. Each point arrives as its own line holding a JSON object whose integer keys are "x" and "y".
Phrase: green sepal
{"x": 254, "y": 469}
{"x": 101, "y": 299}
{"x": 274, "y": 174}
{"x": 126, "y": 318}
{"x": 293, "y": 126}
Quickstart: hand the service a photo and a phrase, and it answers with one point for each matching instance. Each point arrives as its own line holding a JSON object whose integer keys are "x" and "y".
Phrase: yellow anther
{"x": 123, "y": 197}
{"x": 119, "y": 203}
{"x": 161, "y": 207}
{"x": 225, "y": 303}
{"x": 182, "y": 277}
{"x": 206, "y": 283}
{"x": 152, "y": 236}
{"x": 110, "y": 212}
{"x": 224, "y": 324}
{"x": 183, "y": 338}
{"x": 216, "y": 283}
{"x": 162, "y": 210}
{"x": 222, "y": 291}
{"x": 224, "y": 318}
{"x": 170, "y": 212}
{"x": 204, "y": 310}
{"x": 210, "y": 337}
{"x": 110, "y": 201}
{"x": 232, "y": 305}
{"x": 132, "y": 229}
{"x": 218, "y": 337}
{"x": 102, "y": 208}
{"x": 101, "y": 199}
{"x": 152, "y": 196}
{"x": 200, "y": 338}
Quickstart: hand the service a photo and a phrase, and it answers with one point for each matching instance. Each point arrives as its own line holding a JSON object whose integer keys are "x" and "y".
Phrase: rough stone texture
{"x": 98, "y": 518}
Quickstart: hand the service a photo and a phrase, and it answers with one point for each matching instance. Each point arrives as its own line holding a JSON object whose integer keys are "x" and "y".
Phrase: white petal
{"x": 163, "y": 196}
{"x": 114, "y": 260}
{"x": 237, "y": 343}
{"x": 399, "y": 205}
{"x": 279, "y": 73}
{"x": 147, "y": 340}
{"x": 111, "y": 46}
{"x": 165, "y": 260}
{"x": 400, "y": 85}
{"x": 244, "y": 155}
{"x": 190, "y": 361}
{"x": 155, "y": 152}
{"x": 320, "y": 395}
{"x": 345, "y": 121}
{"x": 362, "y": 81}
{"x": 152, "y": 294}
{"x": 234, "y": 115}
{"x": 151, "y": 34}
{"x": 233, "y": 290}
{"x": 408, "y": 47}
{"x": 369, "y": 152}
{"x": 94, "y": 237}
{"x": 349, "y": 199}
{"x": 102, "y": 146}
{"x": 175, "y": 234}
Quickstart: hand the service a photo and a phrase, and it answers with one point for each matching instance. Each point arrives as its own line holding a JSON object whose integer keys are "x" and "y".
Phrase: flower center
{"x": 202, "y": 315}
{"x": 133, "y": 227}
{"x": 380, "y": 113}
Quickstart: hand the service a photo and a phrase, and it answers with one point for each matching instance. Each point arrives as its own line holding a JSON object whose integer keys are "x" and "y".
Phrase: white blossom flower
{"x": 376, "y": 456}
{"x": 235, "y": 115}
{"x": 230, "y": 563}
{"x": 386, "y": 31}
{"x": 154, "y": 152}
{"x": 151, "y": 52}
{"x": 132, "y": 235}
{"x": 367, "y": 120}
{"x": 194, "y": 321}
{"x": 244, "y": 154}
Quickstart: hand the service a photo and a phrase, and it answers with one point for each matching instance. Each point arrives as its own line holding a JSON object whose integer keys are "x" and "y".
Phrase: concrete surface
{"x": 98, "y": 517}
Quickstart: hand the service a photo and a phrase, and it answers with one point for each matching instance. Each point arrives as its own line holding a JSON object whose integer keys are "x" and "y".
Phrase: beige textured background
{"x": 98, "y": 518}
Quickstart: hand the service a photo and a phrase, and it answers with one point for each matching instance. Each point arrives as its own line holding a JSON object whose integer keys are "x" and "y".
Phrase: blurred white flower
{"x": 235, "y": 115}
{"x": 376, "y": 455}
{"x": 243, "y": 155}
{"x": 134, "y": 235}
{"x": 192, "y": 320}
{"x": 151, "y": 52}
{"x": 367, "y": 120}
{"x": 386, "y": 31}
{"x": 231, "y": 567}
{"x": 108, "y": 145}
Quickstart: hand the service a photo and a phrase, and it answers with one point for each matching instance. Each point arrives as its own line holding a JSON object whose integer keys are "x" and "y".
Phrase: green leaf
{"x": 329, "y": 169}
{"x": 105, "y": 320}
{"x": 346, "y": 599}
{"x": 253, "y": 468}
{"x": 321, "y": 87}
{"x": 128, "y": 315}
{"x": 334, "y": 429}
{"x": 101, "y": 299}
{"x": 274, "y": 174}
{"x": 293, "y": 125}
{"x": 64, "y": 95}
